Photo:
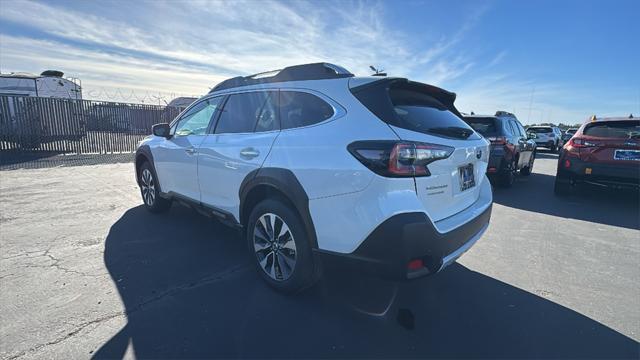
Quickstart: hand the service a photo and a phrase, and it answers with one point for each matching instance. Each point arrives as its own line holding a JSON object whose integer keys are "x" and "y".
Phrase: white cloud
{"x": 186, "y": 47}
{"x": 498, "y": 58}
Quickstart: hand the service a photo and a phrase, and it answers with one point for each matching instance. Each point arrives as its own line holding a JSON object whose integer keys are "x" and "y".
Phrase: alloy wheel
{"x": 274, "y": 247}
{"x": 148, "y": 188}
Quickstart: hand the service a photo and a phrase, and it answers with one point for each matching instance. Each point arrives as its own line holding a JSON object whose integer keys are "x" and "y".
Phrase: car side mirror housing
{"x": 162, "y": 130}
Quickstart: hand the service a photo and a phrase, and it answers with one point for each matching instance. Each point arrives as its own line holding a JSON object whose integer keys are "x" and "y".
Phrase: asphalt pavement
{"x": 86, "y": 272}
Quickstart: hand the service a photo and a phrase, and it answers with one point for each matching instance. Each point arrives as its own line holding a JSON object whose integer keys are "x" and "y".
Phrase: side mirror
{"x": 161, "y": 130}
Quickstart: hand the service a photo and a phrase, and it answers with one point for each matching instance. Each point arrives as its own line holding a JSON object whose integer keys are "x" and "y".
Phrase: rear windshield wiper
{"x": 452, "y": 131}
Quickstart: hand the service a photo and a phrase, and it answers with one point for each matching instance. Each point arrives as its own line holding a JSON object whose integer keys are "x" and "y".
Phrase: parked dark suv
{"x": 511, "y": 150}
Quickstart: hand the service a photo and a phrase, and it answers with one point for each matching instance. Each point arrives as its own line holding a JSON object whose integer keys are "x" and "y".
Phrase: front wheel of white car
{"x": 281, "y": 249}
{"x": 150, "y": 191}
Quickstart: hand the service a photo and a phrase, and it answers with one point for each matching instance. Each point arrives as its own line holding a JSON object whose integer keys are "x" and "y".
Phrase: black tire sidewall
{"x": 507, "y": 178}
{"x": 303, "y": 275}
{"x": 562, "y": 187}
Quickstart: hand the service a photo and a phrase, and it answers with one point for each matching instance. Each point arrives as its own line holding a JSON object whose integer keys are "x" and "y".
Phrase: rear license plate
{"x": 627, "y": 155}
{"x": 467, "y": 178}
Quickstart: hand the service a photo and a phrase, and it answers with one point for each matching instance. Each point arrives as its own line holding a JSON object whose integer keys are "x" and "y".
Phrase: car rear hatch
{"x": 611, "y": 142}
{"x": 425, "y": 114}
{"x": 543, "y": 134}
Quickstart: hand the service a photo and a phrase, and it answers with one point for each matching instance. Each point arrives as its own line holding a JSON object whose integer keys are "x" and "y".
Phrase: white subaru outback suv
{"x": 319, "y": 167}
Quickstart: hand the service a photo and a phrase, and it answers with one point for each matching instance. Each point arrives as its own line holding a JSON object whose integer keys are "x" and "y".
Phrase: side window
{"x": 508, "y": 128}
{"x": 298, "y": 109}
{"x": 196, "y": 120}
{"x": 523, "y": 132}
{"x": 249, "y": 112}
{"x": 516, "y": 129}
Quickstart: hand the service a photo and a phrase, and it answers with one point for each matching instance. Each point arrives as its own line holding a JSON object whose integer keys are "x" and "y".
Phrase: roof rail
{"x": 315, "y": 71}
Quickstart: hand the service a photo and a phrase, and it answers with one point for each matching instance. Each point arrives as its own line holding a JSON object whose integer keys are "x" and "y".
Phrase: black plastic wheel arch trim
{"x": 285, "y": 182}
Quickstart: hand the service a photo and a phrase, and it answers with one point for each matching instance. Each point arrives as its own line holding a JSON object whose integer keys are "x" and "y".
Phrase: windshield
{"x": 572, "y": 131}
{"x": 485, "y": 126}
{"x": 540, "y": 130}
{"x": 614, "y": 129}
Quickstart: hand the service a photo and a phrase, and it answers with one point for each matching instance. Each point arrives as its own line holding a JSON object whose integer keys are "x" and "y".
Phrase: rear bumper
{"x": 609, "y": 175}
{"x": 387, "y": 251}
{"x": 546, "y": 144}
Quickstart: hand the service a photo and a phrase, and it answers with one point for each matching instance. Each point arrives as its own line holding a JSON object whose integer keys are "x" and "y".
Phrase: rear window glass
{"x": 422, "y": 113}
{"x": 485, "y": 126}
{"x": 614, "y": 129}
{"x": 571, "y": 131}
{"x": 298, "y": 109}
{"x": 540, "y": 130}
{"x": 413, "y": 106}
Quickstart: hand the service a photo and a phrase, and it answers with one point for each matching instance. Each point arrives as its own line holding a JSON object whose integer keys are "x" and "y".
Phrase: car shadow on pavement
{"x": 190, "y": 291}
{"x": 588, "y": 203}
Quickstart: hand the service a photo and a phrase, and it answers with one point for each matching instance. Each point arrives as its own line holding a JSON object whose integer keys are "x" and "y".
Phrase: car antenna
{"x": 377, "y": 72}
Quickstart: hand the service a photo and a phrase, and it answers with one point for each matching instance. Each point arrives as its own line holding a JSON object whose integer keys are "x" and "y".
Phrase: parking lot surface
{"x": 85, "y": 272}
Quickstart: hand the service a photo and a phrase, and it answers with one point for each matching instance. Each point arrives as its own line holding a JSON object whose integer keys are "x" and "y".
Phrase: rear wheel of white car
{"x": 150, "y": 191}
{"x": 282, "y": 252}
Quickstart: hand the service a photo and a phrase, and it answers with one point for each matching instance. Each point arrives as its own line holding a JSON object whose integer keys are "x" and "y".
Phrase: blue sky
{"x": 558, "y": 61}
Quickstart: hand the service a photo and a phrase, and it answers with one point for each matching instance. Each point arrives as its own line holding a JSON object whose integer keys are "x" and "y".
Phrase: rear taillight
{"x": 497, "y": 140}
{"x": 580, "y": 143}
{"x": 398, "y": 159}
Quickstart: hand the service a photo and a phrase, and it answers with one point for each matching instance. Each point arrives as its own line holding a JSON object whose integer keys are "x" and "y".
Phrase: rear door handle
{"x": 249, "y": 152}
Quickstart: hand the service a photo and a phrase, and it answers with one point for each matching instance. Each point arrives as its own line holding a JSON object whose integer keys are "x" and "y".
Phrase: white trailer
{"x": 48, "y": 84}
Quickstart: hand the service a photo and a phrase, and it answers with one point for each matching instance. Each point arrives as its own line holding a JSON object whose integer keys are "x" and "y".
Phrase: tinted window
{"x": 523, "y": 132}
{"x": 196, "y": 120}
{"x": 571, "y": 131}
{"x": 507, "y": 128}
{"x": 540, "y": 130}
{"x": 247, "y": 112}
{"x": 485, "y": 126}
{"x": 299, "y": 109}
{"x": 413, "y": 106}
{"x": 512, "y": 128}
{"x": 516, "y": 128}
{"x": 614, "y": 129}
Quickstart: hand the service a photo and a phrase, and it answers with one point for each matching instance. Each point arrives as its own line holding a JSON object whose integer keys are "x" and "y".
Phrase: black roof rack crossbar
{"x": 315, "y": 71}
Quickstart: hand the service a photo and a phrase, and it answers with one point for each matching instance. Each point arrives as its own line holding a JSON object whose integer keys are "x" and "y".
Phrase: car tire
{"x": 284, "y": 260}
{"x": 150, "y": 192}
{"x": 508, "y": 175}
{"x": 562, "y": 187}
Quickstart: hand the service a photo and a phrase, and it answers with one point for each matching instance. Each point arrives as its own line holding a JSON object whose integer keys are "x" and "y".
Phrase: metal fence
{"x": 76, "y": 126}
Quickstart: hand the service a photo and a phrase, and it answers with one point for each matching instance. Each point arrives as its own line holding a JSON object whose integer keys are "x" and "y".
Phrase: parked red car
{"x": 603, "y": 152}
